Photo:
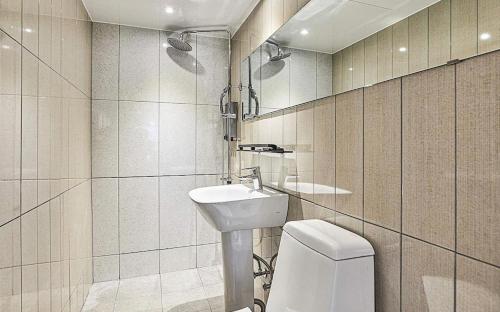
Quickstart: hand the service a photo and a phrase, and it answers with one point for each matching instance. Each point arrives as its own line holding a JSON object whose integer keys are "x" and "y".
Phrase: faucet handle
{"x": 254, "y": 169}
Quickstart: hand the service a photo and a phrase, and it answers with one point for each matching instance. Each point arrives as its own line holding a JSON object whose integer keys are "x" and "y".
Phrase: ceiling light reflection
{"x": 402, "y": 49}
{"x": 169, "y": 10}
{"x": 304, "y": 32}
{"x": 485, "y": 36}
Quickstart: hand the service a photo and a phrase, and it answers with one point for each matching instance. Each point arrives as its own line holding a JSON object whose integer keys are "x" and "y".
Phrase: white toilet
{"x": 322, "y": 268}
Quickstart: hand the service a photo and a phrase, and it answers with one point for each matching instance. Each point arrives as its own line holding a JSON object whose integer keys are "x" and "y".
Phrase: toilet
{"x": 322, "y": 268}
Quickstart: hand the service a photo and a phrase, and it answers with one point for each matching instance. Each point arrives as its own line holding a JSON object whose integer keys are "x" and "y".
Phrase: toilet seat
{"x": 244, "y": 310}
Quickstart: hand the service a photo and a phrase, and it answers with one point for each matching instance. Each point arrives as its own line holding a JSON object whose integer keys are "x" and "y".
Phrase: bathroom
{"x": 250, "y": 155}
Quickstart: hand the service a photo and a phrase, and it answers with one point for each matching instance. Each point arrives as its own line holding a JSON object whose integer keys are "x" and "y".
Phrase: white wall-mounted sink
{"x": 236, "y": 210}
{"x": 238, "y": 207}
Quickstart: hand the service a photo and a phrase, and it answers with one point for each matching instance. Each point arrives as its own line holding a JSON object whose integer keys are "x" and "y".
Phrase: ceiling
{"x": 331, "y": 25}
{"x": 171, "y": 14}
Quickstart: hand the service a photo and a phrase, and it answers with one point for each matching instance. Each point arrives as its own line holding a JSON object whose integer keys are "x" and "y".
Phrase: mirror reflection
{"x": 276, "y": 77}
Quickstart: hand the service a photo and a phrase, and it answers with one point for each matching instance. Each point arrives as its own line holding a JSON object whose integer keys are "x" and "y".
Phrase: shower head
{"x": 179, "y": 43}
{"x": 280, "y": 56}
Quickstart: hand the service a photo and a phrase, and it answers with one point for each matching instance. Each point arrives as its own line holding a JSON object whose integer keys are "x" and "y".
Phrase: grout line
{"x": 401, "y": 196}
{"x": 118, "y": 149}
{"x": 158, "y": 125}
{"x": 456, "y": 197}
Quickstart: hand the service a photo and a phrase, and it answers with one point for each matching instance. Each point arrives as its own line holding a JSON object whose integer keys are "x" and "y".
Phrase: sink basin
{"x": 236, "y": 210}
{"x": 238, "y": 207}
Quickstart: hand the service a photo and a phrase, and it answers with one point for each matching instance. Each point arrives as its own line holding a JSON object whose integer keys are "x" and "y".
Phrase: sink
{"x": 238, "y": 207}
{"x": 235, "y": 210}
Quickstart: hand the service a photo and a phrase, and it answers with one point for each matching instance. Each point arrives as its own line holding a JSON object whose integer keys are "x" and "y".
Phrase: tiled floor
{"x": 196, "y": 290}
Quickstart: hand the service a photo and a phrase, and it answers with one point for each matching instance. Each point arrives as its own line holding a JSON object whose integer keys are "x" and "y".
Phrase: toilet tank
{"x": 322, "y": 268}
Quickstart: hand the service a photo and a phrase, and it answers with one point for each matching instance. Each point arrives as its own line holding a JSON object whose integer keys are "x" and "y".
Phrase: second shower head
{"x": 281, "y": 55}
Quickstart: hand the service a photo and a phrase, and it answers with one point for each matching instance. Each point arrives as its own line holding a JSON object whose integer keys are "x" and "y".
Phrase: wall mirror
{"x": 296, "y": 64}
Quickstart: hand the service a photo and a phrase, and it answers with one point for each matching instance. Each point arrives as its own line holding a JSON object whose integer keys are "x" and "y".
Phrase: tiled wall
{"x": 45, "y": 188}
{"x": 412, "y": 164}
{"x": 156, "y": 134}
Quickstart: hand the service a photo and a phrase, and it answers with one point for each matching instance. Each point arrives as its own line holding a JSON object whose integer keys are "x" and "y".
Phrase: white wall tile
{"x": 138, "y": 139}
{"x": 176, "y": 259}
{"x": 324, "y": 75}
{"x": 212, "y": 55}
{"x": 177, "y": 71}
{"x": 208, "y": 255}
{"x": 106, "y": 268}
{"x": 139, "y": 264}
{"x": 139, "y": 215}
{"x": 177, "y": 138}
{"x": 105, "y": 216}
{"x": 177, "y": 212}
{"x": 105, "y": 62}
{"x": 10, "y": 200}
{"x": 104, "y": 138}
{"x": 209, "y": 140}
{"x": 139, "y": 64}
{"x": 302, "y": 76}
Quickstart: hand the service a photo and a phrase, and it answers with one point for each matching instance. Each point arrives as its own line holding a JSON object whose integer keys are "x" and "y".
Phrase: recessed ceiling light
{"x": 402, "y": 49}
{"x": 485, "y": 36}
{"x": 28, "y": 30}
{"x": 350, "y": 68}
{"x": 304, "y": 32}
{"x": 169, "y": 10}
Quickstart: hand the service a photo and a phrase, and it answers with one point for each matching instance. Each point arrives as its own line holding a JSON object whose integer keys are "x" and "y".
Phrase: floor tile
{"x": 180, "y": 280}
{"x": 210, "y": 275}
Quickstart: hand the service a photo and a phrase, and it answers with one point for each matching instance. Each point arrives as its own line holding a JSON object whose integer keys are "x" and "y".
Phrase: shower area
{"x": 159, "y": 122}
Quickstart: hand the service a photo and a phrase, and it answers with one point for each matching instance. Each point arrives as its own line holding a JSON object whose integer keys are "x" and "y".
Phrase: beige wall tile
{"x": 290, "y": 143}
{"x": 349, "y": 223}
{"x": 289, "y": 9}
{"x": 11, "y": 11}
{"x": 400, "y": 48}
{"x": 387, "y": 248}
{"x": 30, "y": 25}
{"x": 347, "y": 69}
{"x": 371, "y": 52}
{"x": 277, "y": 15}
{"x": 255, "y": 26}
{"x": 418, "y": 34}
{"x": 324, "y": 152}
{"x": 427, "y": 277}
{"x": 358, "y": 64}
{"x": 267, "y": 18}
{"x": 302, "y": 3}
{"x": 337, "y": 73}
{"x": 305, "y": 149}
{"x": 463, "y": 29}
{"x": 478, "y": 158}
{"x": 244, "y": 38}
{"x": 429, "y": 155}
{"x": 382, "y": 154}
{"x": 488, "y": 25}
{"x": 349, "y": 153}
{"x": 477, "y": 286}
{"x": 384, "y": 55}
{"x": 439, "y": 33}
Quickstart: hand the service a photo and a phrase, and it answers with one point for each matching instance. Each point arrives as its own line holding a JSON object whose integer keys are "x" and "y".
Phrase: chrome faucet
{"x": 255, "y": 177}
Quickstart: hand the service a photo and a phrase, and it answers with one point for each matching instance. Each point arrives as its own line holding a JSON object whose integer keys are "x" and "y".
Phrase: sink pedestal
{"x": 237, "y": 254}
